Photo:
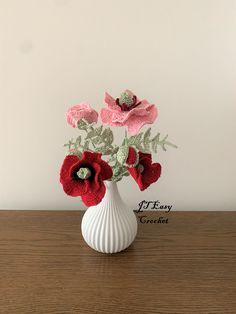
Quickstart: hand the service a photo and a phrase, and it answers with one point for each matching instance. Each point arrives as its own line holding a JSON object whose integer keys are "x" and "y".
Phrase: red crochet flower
{"x": 84, "y": 177}
{"x": 146, "y": 172}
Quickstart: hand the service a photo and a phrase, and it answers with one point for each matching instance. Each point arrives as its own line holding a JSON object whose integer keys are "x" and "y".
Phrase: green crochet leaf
{"x": 86, "y": 146}
{"x": 155, "y": 142}
{"x": 91, "y": 134}
{"x": 107, "y": 136}
{"x": 99, "y": 130}
{"x": 82, "y": 124}
{"x": 97, "y": 140}
{"x": 78, "y": 140}
{"x": 146, "y": 140}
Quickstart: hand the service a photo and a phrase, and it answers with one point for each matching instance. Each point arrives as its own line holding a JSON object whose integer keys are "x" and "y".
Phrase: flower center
{"x": 84, "y": 173}
{"x": 140, "y": 168}
{"x": 127, "y": 101}
{"x": 126, "y": 98}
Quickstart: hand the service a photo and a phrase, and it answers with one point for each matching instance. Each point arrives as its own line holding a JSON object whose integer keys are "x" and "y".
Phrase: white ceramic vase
{"x": 110, "y": 226}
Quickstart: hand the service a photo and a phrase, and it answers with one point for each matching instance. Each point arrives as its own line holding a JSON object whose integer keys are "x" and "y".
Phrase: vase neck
{"x": 111, "y": 186}
{"x": 112, "y": 190}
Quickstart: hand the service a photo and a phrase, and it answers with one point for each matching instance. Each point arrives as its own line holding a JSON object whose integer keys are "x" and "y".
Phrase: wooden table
{"x": 187, "y": 265}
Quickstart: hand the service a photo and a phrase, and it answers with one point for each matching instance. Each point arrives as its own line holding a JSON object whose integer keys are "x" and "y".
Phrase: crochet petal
{"x": 91, "y": 199}
{"x": 75, "y": 188}
{"x": 142, "y": 110}
{"x": 111, "y": 102}
{"x": 132, "y": 157}
{"x": 107, "y": 117}
{"x": 134, "y": 173}
{"x": 150, "y": 175}
{"x": 135, "y": 123}
{"x": 90, "y": 157}
{"x": 121, "y": 117}
{"x": 95, "y": 184}
{"x": 106, "y": 171}
{"x": 145, "y": 157}
{"x": 68, "y": 163}
{"x": 90, "y": 116}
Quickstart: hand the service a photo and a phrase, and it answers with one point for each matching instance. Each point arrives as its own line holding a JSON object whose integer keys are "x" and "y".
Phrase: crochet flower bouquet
{"x": 96, "y": 158}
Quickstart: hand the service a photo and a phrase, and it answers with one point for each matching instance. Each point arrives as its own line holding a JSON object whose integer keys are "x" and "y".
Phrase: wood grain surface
{"x": 185, "y": 266}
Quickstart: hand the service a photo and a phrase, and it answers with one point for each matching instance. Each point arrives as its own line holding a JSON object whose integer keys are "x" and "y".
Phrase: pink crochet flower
{"x": 81, "y": 111}
{"x": 128, "y": 111}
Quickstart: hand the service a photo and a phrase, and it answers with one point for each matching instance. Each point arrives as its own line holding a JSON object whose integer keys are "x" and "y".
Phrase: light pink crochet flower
{"x": 128, "y": 111}
{"x": 81, "y": 111}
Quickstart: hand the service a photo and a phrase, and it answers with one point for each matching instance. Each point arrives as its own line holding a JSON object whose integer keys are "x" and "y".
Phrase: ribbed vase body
{"x": 110, "y": 226}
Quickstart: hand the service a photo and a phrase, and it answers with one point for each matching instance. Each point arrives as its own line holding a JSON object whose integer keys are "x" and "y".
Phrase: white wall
{"x": 180, "y": 55}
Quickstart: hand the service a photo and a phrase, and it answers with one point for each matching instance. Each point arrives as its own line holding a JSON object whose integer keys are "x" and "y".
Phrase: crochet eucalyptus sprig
{"x": 97, "y": 139}
{"x": 145, "y": 143}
